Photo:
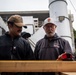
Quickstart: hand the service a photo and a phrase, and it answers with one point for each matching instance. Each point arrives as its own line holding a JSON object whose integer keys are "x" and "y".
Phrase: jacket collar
{"x": 54, "y": 37}
{"x": 7, "y": 34}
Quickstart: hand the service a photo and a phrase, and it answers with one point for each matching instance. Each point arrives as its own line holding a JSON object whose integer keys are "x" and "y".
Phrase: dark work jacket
{"x": 14, "y": 49}
{"x": 50, "y": 49}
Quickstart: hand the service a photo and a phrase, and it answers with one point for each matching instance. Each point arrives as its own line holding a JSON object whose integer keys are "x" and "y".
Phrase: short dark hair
{"x": 8, "y": 22}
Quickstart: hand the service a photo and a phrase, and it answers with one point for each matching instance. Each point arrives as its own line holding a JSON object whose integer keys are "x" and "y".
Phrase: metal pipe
{"x": 58, "y": 11}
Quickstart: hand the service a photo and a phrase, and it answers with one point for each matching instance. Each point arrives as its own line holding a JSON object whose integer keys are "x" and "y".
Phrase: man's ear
{"x": 55, "y": 26}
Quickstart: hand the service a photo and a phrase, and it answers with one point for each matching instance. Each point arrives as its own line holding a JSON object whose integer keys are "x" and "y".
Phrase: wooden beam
{"x": 37, "y": 66}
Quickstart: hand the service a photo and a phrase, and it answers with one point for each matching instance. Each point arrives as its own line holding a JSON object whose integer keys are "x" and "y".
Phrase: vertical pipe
{"x": 58, "y": 10}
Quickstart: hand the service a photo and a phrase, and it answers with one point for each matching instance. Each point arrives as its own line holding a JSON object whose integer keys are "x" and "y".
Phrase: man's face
{"x": 50, "y": 29}
{"x": 15, "y": 30}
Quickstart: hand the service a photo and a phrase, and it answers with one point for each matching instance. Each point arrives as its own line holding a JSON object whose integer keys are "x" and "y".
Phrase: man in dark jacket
{"x": 12, "y": 45}
{"x": 51, "y": 47}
